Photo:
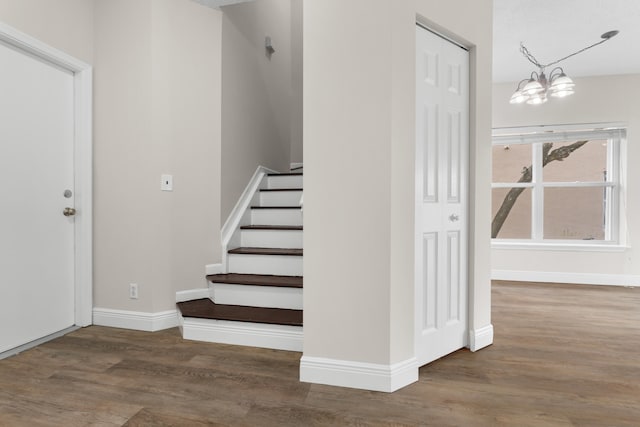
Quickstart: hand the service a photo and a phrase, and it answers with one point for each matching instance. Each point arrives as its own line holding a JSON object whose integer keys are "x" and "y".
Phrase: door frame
{"x": 469, "y": 336}
{"x": 83, "y": 165}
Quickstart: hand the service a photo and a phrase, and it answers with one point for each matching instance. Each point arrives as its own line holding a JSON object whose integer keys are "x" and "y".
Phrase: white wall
{"x": 256, "y": 93}
{"x": 157, "y": 109}
{"x": 597, "y": 99}
{"x": 359, "y": 143}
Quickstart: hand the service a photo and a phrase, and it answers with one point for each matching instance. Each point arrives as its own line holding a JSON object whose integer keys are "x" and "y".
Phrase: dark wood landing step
{"x": 266, "y": 251}
{"x": 207, "y": 309}
{"x": 281, "y": 189}
{"x": 285, "y": 173}
{"x": 257, "y": 280}
{"x": 275, "y": 207}
{"x": 271, "y": 227}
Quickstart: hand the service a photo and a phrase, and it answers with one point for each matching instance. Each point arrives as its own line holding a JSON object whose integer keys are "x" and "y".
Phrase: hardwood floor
{"x": 563, "y": 355}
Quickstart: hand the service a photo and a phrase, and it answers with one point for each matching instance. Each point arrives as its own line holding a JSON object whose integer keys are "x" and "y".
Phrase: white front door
{"x": 36, "y": 176}
{"x": 442, "y": 144}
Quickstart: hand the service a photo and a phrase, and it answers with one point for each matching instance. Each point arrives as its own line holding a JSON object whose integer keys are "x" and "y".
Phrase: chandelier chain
{"x": 535, "y": 62}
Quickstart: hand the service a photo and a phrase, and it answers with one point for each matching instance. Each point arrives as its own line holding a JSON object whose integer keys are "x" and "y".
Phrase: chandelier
{"x": 538, "y": 86}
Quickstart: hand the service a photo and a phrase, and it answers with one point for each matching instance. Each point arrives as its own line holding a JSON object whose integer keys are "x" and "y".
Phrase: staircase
{"x": 257, "y": 301}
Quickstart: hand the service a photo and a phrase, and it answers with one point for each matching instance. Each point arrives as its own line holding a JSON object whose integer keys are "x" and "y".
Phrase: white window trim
{"x": 558, "y": 245}
{"x": 614, "y": 132}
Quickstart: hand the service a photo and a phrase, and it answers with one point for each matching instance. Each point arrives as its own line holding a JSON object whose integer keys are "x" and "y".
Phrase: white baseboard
{"x": 366, "y": 376}
{"x": 481, "y": 338}
{"x": 279, "y": 337}
{"x": 562, "y": 277}
{"x": 191, "y": 294}
{"x": 213, "y": 269}
{"x": 137, "y": 320}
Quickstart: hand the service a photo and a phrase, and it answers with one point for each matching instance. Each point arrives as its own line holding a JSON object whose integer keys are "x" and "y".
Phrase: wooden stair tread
{"x": 271, "y": 227}
{"x": 257, "y": 280}
{"x": 285, "y": 174}
{"x": 207, "y": 309}
{"x": 266, "y": 251}
{"x": 281, "y": 189}
{"x": 275, "y": 207}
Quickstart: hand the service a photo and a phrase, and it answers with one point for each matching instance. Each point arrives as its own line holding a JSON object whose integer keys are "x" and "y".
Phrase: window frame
{"x": 615, "y": 134}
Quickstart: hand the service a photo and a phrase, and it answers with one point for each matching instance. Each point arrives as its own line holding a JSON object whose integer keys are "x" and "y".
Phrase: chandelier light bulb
{"x": 562, "y": 82}
{"x": 518, "y": 97}
{"x": 537, "y": 99}
{"x": 532, "y": 88}
{"x": 562, "y": 93}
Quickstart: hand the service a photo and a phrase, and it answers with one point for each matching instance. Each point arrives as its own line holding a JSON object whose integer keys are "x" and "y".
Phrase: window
{"x": 556, "y": 185}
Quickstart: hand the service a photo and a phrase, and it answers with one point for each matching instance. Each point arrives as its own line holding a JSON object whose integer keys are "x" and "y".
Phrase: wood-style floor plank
{"x": 563, "y": 355}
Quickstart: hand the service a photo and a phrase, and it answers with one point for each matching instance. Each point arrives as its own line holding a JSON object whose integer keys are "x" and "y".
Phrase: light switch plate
{"x": 166, "y": 183}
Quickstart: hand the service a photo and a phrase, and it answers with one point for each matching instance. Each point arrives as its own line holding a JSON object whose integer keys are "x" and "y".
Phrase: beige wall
{"x": 151, "y": 118}
{"x": 296, "y": 80}
{"x": 156, "y": 110}
{"x": 66, "y": 25}
{"x": 157, "y": 107}
{"x": 186, "y": 120}
{"x": 359, "y": 133}
{"x": 256, "y": 93}
{"x": 597, "y": 99}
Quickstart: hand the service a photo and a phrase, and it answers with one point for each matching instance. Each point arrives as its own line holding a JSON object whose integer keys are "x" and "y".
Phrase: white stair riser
{"x": 280, "y": 198}
{"x": 276, "y": 217}
{"x": 281, "y": 265}
{"x": 287, "y": 239}
{"x": 257, "y": 296}
{"x": 280, "y": 337}
{"x": 284, "y": 181}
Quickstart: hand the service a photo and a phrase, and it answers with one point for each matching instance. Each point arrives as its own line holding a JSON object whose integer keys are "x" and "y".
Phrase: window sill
{"x": 560, "y": 246}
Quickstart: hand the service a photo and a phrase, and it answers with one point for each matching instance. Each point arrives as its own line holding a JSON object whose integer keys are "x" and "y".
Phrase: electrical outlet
{"x": 133, "y": 290}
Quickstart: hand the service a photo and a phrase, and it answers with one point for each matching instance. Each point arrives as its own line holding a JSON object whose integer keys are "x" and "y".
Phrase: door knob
{"x": 69, "y": 212}
{"x": 453, "y": 217}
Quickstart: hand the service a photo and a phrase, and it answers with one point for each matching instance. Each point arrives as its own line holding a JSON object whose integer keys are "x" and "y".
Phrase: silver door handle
{"x": 69, "y": 212}
{"x": 453, "y": 217}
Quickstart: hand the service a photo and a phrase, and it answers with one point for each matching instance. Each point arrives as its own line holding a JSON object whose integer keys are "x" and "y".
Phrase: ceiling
{"x": 553, "y": 29}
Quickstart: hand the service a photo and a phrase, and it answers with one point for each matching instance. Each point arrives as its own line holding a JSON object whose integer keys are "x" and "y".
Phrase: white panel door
{"x": 442, "y": 144}
{"x": 36, "y": 167}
